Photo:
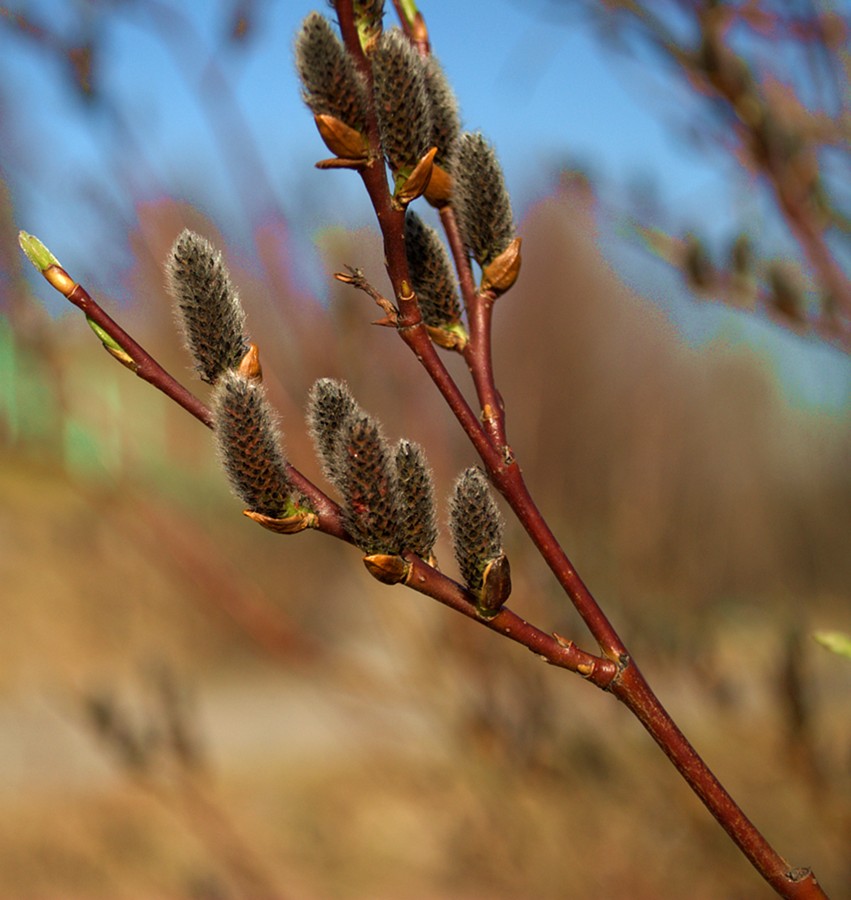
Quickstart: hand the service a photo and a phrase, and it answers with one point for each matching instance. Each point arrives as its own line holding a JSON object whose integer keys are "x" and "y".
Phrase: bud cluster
{"x": 413, "y": 102}
{"x": 213, "y": 322}
{"x": 388, "y": 497}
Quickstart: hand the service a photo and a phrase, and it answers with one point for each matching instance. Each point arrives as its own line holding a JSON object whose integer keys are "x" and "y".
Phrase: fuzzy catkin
{"x": 415, "y": 500}
{"x": 331, "y": 85}
{"x": 329, "y": 405}
{"x": 368, "y": 485}
{"x": 249, "y": 444}
{"x": 445, "y": 121}
{"x": 481, "y": 199}
{"x": 208, "y": 309}
{"x": 477, "y": 526}
{"x": 401, "y": 100}
{"x": 432, "y": 276}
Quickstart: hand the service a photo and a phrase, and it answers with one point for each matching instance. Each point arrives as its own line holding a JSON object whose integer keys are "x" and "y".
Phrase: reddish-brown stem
{"x": 478, "y": 356}
{"x": 459, "y": 254}
{"x": 148, "y": 369}
{"x": 565, "y": 654}
{"x": 477, "y": 353}
{"x": 795, "y": 884}
{"x": 144, "y": 365}
{"x": 629, "y": 686}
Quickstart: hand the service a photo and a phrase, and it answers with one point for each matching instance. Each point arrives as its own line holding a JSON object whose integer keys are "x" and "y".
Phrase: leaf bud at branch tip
{"x": 368, "y": 19}
{"x": 36, "y": 252}
{"x": 46, "y": 263}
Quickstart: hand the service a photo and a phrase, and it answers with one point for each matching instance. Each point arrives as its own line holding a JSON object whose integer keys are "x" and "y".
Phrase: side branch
{"x": 427, "y": 580}
{"x": 136, "y": 358}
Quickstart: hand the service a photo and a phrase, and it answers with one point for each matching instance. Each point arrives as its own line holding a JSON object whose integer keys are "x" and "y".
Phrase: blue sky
{"x": 545, "y": 94}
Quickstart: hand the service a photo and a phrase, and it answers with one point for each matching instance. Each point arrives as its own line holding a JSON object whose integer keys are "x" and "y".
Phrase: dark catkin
{"x": 477, "y": 526}
{"x": 249, "y": 445}
{"x": 331, "y": 84}
{"x": 368, "y": 485}
{"x": 445, "y": 121}
{"x": 432, "y": 276}
{"x": 480, "y": 198}
{"x": 207, "y": 305}
{"x": 415, "y": 500}
{"x": 401, "y": 100}
{"x": 329, "y": 405}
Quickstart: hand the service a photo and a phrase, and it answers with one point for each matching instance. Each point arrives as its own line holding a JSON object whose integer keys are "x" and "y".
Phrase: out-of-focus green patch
{"x": 835, "y": 641}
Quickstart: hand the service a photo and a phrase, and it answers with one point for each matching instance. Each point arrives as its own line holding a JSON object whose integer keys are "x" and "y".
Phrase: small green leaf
{"x": 109, "y": 342}
{"x": 112, "y": 346}
{"x": 36, "y": 252}
{"x": 835, "y": 641}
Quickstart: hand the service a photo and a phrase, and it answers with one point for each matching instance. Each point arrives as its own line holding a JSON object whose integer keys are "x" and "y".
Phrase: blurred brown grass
{"x": 362, "y": 742}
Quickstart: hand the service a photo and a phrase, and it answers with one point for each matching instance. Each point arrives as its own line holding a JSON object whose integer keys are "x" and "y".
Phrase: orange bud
{"x": 499, "y": 275}
{"x": 288, "y": 525}
{"x": 439, "y": 190}
{"x": 387, "y": 568}
{"x": 416, "y": 183}
{"x": 341, "y": 139}
{"x": 250, "y": 366}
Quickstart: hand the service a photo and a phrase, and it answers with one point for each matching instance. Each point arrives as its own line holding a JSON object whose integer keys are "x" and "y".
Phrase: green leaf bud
{"x": 368, "y": 19}
{"x": 36, "y": 252}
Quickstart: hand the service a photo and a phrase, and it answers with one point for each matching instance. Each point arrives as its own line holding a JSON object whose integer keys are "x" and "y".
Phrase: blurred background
{"x": 192, "y": 707}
